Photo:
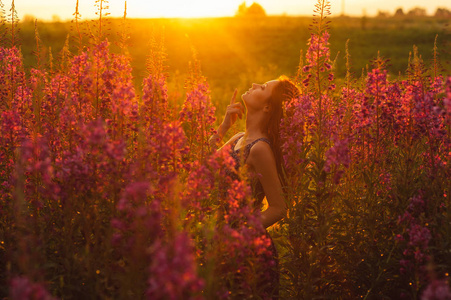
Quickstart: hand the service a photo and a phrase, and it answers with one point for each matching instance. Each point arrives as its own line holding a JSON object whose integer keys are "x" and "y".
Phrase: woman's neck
{"x": 254, "y": 127}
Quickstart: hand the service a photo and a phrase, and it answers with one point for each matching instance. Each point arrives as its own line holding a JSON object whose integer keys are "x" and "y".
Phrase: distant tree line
{"x": 417, "y": 12}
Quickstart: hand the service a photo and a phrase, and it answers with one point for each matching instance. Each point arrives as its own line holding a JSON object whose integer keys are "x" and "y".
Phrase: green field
{"x": 235, "y": 52}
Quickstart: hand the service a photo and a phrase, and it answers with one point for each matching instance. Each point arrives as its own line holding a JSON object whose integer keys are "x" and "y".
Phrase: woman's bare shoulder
{"x": 261, "y": 152}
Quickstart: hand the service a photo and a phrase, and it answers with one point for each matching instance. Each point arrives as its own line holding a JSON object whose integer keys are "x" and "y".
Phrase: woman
{"x": 259, "y": 146}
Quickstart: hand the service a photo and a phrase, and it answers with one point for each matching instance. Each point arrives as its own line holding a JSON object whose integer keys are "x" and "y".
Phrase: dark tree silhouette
{"x": 442, "y": 13}
{"x": 242, "y": 8}
{"x": 399, "y": 12}
{"x": 417, "y": 12}
{"x": 255, "y": 10}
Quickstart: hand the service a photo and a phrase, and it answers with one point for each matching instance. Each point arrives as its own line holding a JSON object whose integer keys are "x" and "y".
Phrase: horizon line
{"x": 56, "y": 18}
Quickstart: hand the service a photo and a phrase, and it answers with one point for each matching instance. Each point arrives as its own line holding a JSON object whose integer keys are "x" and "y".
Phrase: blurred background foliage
{"x": 234, "y": 52}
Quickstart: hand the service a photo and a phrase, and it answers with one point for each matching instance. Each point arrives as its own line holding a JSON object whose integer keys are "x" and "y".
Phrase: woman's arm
{"x": 233, "y": 111}
{"x": 261, "y": 160}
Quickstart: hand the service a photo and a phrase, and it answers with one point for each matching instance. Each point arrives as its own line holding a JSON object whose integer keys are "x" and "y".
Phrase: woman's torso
{"x": 240, "y": 156}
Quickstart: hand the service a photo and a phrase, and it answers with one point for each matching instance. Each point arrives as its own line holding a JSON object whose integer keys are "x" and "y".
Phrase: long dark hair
{"x": 282, "y": 92}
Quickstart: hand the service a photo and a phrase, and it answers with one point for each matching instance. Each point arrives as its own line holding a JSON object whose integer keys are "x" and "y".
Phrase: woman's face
{"x": 257, "y": 96}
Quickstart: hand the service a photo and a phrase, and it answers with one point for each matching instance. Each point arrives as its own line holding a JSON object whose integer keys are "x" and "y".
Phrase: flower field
{"x": 111, "y": 191}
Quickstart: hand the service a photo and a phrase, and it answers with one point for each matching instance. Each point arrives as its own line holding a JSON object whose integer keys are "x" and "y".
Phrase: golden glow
{"x": 47, "y": 9}
{"x": 181, "y": 8}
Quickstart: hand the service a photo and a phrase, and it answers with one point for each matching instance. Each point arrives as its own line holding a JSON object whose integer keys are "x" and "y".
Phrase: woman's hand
{"x": 233, "y": 112}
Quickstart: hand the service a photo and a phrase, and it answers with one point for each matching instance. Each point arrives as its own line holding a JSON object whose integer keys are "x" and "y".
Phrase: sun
{"x": 180, "y": 8}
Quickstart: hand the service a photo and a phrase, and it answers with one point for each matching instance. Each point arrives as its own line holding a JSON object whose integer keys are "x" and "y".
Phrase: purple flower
{"x": 21, "y": 288}
{"x": 197, "y": 118}
{"x": 437, "y": 290}
{"x": 336, "y": 156}
{"x": 419, "y": 236}
{"x": 173, "y": 271}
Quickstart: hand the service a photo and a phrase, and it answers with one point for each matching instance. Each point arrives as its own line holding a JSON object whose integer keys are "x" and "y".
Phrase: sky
{"x": 46, "y": 9}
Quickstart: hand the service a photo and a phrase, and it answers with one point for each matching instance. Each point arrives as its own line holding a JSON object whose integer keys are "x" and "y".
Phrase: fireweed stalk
{"x": 309, "y": 129}
{"x": 416, "y": 240}
{"x": 198, "y": 113}
{"x": 154, "y": 103}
